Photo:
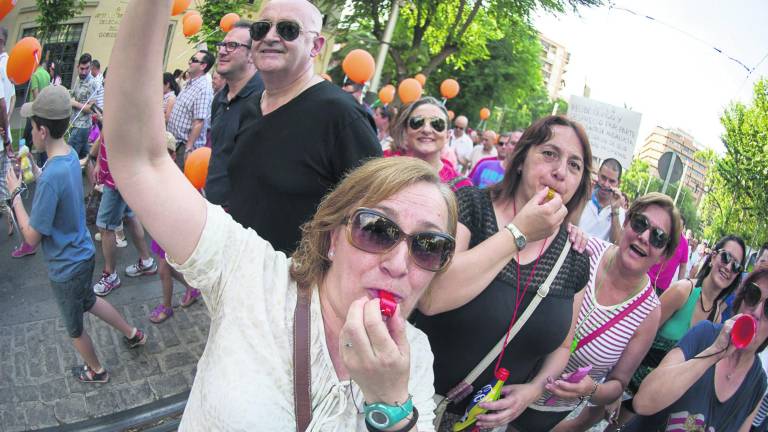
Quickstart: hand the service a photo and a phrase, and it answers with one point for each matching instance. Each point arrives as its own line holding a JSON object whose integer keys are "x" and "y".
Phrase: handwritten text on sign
{"x": 612, "y": 130}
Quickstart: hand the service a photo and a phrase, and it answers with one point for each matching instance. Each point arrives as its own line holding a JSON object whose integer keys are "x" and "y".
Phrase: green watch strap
{"x": 384, "y": 416}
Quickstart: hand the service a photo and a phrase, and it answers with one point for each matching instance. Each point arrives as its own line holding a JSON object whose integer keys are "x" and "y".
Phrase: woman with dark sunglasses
{"x": 368, "y": 253}
{"x": 509, "y": 238}
{"x": 687, "y": 302}
{"x": 618, "y": 318}
{"x": 420, "y": 130}
{"x": 706, "y": 382}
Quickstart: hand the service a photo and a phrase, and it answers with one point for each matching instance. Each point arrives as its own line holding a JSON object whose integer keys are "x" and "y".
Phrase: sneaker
{"x": 97, "y": 236}
{"x": 106, "y": 284}
{"x": 23, "y": 251}
{"x": 121, "y": 243}
{"x": 140, "y": 269}
{"x": 139, "y": 339}
{"x": 87, "y": 375}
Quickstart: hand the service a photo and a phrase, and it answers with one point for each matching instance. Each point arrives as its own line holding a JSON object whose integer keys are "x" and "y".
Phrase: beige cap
{"x": 52, "y": 103}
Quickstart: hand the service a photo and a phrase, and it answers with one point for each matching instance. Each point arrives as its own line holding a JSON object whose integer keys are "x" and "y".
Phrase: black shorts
{"x": 75, "y": 297}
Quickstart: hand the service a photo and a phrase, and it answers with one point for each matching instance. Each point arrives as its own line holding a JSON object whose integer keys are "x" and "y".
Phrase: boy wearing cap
{"x": 57, "y": 222}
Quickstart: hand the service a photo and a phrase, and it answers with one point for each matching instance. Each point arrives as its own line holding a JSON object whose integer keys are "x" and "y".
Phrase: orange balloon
{"x": 179, "y": 6}
{"x": 387, "y": 94}
{"x": 409, "y": 90}
{"x": 5, "y": 7}
{"x": 189, "y": 14}
{"x": 192, "y": 25}
{"x": 449, "y": 88}
{"x": 228, "y": 21}
{"x": 485, "y": 113}
{"x": 23, "y": 60}
{"x": 421, "y": 78}
{"x": 451, "y": 115}
{"x": 326, "y": 77}
{"x": 359, "y": 65}
{"x": 196, "y": 166}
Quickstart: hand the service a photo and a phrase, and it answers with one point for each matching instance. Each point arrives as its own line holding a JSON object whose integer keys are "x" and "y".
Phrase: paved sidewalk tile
{"x": 37, "y": 388}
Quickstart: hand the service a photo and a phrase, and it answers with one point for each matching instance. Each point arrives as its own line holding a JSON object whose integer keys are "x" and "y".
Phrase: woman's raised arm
{"x": 134, "y": 129}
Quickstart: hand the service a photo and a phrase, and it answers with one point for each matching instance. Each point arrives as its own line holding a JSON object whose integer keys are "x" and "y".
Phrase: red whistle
{"x": 387, "y": 304}
{"x": 743, "y": 331}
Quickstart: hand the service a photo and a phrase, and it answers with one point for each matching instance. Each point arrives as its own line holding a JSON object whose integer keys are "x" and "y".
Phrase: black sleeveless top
{"x": 462, "y": 337}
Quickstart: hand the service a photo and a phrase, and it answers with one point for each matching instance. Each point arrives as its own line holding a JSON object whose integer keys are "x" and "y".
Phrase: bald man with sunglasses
{"x": 300, "y": 135}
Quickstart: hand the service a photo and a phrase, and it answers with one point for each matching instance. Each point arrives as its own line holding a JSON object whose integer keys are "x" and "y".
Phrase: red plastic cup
{"x": 743, "y": 331}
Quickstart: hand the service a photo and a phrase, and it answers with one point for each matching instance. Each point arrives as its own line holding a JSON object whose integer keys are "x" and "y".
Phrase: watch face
{"x": 378, "y": 418}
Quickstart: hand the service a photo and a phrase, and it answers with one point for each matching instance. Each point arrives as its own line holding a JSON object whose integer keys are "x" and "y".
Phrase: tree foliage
{"x": 737, "y": 200}
{"x": 212, "y": 11}
{"x": 430, "y": 33}
{"x": 54, "y": 12}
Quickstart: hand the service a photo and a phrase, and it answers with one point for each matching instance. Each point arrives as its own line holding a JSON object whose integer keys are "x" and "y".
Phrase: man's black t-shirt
{"x": 285, "y": 162}
{"x": 225, "y": 122}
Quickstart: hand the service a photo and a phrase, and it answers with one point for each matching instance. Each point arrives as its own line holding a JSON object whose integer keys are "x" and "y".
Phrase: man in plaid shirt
{"x": 192, "y": 107}
{"x": 83, "y": 98}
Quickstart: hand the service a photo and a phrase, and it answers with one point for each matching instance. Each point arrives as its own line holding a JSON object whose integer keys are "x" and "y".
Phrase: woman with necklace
{"x": 618, "y": 318}
{"x": 687, "y": 302}
{"x": 706, "y": 383}
{"x": 509, "y": 240}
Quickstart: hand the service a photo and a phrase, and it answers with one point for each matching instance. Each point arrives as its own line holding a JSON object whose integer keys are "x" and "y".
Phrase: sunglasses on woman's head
{"x": 752, "y": 296}
{"x": 287, "y": 30}
{"x": 727, "y": 258}
{"x": 639, "y": 224}
{"x": 373, "y": 232}
{"x": 417, "y": 122}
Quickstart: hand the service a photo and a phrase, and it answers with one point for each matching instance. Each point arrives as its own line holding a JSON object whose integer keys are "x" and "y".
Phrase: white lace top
{"x": 244, "y": 378}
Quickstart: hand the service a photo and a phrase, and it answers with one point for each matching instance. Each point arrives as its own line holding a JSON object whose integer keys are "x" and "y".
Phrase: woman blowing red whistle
{"x": 385, "y": 231}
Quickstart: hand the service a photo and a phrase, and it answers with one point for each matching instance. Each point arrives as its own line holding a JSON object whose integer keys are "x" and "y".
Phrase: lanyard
{"x": 518, "y": 298}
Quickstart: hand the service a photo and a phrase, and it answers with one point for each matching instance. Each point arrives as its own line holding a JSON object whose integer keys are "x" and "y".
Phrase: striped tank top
{"x": 605, "y": 350}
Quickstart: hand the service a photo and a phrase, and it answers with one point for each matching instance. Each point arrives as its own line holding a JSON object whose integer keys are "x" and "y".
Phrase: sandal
{"x": 190, "y": 297}
{"x": 160, "y": 314}
{"x": 87, "y": 375}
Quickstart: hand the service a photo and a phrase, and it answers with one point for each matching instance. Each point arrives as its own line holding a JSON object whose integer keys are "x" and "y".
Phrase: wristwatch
{"x": 520, "y": 239}
{"x": 384, "y": 416}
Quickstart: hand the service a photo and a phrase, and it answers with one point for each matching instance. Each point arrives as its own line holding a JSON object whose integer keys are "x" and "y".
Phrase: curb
{"x": 134, "y": 418}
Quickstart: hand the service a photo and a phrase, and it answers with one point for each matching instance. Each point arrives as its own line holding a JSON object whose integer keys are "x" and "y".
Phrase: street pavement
{"x": 37, "y": 388}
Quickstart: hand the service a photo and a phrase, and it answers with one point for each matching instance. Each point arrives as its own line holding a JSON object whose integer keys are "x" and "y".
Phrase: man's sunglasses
{"x": 727, "y": 258}
{"x": 287, "y": 30}
{"x": 437, "y": 123}
{"x": 752, "y": 296}
{"x": 373, "y": 232}
{"x": 195, "y": 60}
{"x": 639, "y": 224}
{"x": 232, "y": 45}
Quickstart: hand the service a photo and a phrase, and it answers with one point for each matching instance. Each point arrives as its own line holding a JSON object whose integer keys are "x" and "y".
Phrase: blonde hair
{"x": 666, "y": 203}
{"x": 399, "y": 126}
{"x": 366, "y": 186}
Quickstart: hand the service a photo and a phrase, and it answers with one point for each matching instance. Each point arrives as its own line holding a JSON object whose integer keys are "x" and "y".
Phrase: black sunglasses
{"x": 287, "y": 30}
{"x": 417, "y": 123}
{"x": 373, "y": 232}
{"x": 231, "y": 46}
{"x": 752, "y": 296}
{"x": 639, "y": 224}
{"x": 727, "y": 258}
{"x": 195, "y": 60}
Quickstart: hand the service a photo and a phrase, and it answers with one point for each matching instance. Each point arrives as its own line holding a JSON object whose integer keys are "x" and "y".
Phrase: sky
{"x": 667, "y": 74}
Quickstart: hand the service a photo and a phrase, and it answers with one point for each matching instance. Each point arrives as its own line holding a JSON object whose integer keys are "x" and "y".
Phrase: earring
{"x": 330, "y": 254}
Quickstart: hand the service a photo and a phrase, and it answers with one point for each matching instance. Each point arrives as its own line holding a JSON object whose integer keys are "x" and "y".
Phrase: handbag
{"x": 302, "y": 374}
{"x": 464, "y": 388}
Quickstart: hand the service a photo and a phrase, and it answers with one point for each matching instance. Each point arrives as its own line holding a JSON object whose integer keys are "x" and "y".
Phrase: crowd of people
{"x": 518, "y": 255}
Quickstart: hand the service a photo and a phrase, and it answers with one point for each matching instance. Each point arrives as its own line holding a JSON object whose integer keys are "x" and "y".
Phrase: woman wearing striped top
{"x": 619, "y": 315}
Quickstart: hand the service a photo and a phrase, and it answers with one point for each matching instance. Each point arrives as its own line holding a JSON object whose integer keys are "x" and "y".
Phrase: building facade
{"x": 662, "y": 140}
{"x": 554, "y": 62}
